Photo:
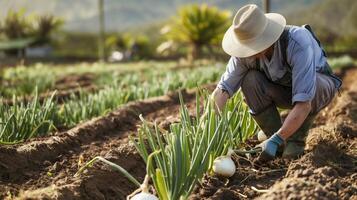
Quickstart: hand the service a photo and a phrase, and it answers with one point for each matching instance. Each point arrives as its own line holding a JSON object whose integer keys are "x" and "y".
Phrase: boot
{"x": 269, "y": 120}
{"x": 295, "y": 144}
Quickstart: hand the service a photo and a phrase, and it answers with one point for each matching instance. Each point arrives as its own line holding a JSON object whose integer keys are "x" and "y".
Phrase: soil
{"x": 44, "y": 168}
{"x": 327, "y": 170}
{"x": 74, "y": 81}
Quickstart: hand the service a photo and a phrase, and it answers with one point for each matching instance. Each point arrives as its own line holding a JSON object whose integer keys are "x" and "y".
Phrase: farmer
{"x": 276, "y": 65}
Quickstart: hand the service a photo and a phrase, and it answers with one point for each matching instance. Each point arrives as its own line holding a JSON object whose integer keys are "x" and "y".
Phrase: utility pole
{"x": 101, "y": 51}
{"x": 266, "y": 5}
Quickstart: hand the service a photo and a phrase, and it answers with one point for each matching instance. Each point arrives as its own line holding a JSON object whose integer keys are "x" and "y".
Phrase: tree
{"x": 197, "y": 26}
{"x": 44, "y": 25}
{"x": 20, "y": 31}
{"x": 15, "y": 25}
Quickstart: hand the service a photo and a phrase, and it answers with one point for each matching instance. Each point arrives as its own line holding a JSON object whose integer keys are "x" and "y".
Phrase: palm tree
{"x": 197, "y": 26}
{"x": 16, "y": 25}
{"x": 44, "y": 26}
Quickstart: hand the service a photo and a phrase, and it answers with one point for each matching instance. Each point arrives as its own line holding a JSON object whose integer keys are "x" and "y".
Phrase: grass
{"x": 341, "y": 62}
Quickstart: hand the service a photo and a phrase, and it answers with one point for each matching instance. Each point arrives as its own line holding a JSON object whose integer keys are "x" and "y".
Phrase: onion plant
{"x": 22, "y": 81}
{"x": 142, "y": 192}
{"x": 88, "y": 105}
{"x": 23, "y": 121}
{"x": 189, "y": 148}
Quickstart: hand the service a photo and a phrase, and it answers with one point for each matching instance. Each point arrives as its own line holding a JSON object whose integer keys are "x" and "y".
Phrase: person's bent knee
{"x": 252, "y": 80}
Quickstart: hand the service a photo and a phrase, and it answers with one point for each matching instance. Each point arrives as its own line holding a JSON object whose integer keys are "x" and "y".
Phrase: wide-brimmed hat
{"x": 252, "y": 31}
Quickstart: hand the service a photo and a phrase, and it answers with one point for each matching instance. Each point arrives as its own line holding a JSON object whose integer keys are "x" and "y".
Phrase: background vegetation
{"x": 130, "y": 26}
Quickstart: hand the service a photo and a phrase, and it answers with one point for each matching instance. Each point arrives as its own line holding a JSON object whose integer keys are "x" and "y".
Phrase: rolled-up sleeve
{"x": 232, "y": 78}
{"x": 303, "y": 74}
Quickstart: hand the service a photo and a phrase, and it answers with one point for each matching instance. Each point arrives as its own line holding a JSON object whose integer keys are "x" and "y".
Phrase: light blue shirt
{"x": 304, "y": 55}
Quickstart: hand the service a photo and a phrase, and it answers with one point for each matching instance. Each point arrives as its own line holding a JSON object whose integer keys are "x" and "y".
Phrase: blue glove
{"x": 269, "y": 147}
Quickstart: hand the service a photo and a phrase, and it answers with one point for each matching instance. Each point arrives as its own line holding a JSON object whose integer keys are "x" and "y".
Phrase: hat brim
{"x": 274, "y": 28}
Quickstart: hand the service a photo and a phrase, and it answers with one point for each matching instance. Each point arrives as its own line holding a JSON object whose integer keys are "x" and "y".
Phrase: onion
{"x": 261, "y": 136}
{"x": 224, "y": 165}
{"x": 144, "y": 194}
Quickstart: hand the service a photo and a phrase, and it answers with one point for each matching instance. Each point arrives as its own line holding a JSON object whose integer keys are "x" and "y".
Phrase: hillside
{"x": 81, "y": 15}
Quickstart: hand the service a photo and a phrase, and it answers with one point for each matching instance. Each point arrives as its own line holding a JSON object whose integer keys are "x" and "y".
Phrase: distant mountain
{"x": 82, "y": 15}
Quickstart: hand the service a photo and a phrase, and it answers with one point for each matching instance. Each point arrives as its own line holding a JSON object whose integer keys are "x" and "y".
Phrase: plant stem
{"x": 113, "y": 165}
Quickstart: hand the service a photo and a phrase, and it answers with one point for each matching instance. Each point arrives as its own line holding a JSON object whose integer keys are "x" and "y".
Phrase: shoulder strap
{"x": 308, "y": 27}
{"x": 284, "y": 42}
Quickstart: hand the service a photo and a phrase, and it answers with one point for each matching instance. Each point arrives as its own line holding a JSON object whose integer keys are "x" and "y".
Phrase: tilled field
{"x": 43, "y": 168}
{"x": 328, "y": 169}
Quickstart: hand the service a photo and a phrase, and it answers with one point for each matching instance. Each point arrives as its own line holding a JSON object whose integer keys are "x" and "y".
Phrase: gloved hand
{"x": 269, "y": 148}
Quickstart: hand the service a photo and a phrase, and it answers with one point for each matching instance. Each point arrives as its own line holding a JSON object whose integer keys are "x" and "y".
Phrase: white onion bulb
{"x": 261, "y": 136}
{"x": 144, "y": 192}
{"x": 144, "y": 196}
{"x": 224, "y": 165}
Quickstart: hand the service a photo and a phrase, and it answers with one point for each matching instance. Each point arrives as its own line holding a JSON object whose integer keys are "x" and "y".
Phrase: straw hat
{"x": 252, "y": 31}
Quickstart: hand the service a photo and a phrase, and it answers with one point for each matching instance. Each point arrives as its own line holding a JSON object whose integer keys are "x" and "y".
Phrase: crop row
{"x": 23, "y": 81}
{"x": 176, "y": 159}
{"x": 26, "y": 120}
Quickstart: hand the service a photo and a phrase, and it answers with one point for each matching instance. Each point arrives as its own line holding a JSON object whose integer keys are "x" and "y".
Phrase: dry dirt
{"x": 44, "y": 167}
{"x": 327, "y": 170}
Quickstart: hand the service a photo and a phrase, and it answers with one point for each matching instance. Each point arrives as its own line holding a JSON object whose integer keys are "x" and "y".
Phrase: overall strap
{"x": 284, "y": 42}
{"x": 308, "y": 27}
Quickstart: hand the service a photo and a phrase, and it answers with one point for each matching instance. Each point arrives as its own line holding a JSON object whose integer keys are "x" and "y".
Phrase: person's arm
{"x": 220, "y": 98}
{"x": 230, "y": 82}
{"x": 291, "y": 124}
{"x": 302, "y": 59}
{"x": 295, "y": 119}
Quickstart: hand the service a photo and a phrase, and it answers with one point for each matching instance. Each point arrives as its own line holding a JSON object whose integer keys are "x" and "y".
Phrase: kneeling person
{"x": 276, "y": 65}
